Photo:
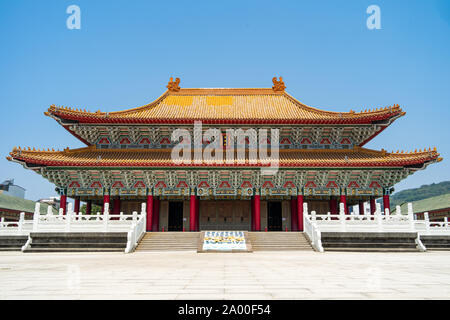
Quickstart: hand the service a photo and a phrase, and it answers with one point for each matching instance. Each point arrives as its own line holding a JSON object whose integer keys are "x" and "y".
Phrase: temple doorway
{"x": 274, "y": 216}
{"x": 175, "y": 216}
{"x": 225, "y": 215}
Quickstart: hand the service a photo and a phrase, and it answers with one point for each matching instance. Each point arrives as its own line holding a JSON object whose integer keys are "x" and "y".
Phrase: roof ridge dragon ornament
{"x": 278, "y": 85}
{"x": 174, "y": 85}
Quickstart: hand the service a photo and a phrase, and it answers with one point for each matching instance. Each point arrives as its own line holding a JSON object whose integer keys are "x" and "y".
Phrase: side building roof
{"x": 21, "y": 205}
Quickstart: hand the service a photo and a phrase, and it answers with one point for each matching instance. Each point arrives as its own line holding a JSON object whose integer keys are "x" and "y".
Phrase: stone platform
{"x": 257, "y": 275}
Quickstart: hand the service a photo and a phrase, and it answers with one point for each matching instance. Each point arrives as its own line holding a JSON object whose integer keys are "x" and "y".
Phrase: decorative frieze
{"x": 217, "y": 183}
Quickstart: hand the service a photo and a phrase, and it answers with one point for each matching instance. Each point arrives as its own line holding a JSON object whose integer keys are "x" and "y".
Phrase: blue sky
{"x": 126, "y": 51}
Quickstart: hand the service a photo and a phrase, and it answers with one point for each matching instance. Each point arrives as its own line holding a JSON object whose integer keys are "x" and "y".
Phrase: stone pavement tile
{"x": 212, "y": 296}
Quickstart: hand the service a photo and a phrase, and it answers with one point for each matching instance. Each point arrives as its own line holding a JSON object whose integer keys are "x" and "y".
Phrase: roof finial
{"x": 278, "y": 86}
{"x": 174, "y": 85}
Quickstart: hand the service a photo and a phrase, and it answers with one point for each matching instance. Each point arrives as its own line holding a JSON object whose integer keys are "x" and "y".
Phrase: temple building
{"x": 128, "y": 160}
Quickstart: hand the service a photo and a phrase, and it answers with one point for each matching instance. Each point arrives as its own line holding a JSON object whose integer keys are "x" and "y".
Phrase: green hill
{"x": 424, "y": 192}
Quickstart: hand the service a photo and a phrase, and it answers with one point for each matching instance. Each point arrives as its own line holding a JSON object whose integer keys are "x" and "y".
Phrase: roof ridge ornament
{"x": 278, "y": 85}
{"x": 174, "y": 86}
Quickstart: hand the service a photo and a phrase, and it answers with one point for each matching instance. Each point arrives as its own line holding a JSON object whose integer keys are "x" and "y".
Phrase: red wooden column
{"x": 63, "y": 203}
{"x": 192, "y": 213}
{"x": 105, "y": 201}
{"x": 149, "y": 212}
{"x": 76, "y": 207}
{"x": 116, "y": 207}
{"x": 155, "y": 226}
{"x": 294, "y": 214}
{"x": 197, "y": 211}
{"x": 257, "y": 206}
{"x": 344, "y": 201}
{"x": 373, "y": 206}
{"x": 361, "y": 207}
{"x": 88, "y": 207}
{"x": 300, "y": 212}
{"x": 252, "y": 213}
{"x": 386, "y": 203}
{"x": 334, "y": 206}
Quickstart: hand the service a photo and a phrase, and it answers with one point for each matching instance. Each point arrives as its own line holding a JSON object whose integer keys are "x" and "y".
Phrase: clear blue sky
{"x": 126, "y": 51}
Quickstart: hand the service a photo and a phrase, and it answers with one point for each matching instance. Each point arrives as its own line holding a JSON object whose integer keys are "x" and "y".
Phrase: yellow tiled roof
{"x": 93, "y": 157}
{"x": 226, "y": 106}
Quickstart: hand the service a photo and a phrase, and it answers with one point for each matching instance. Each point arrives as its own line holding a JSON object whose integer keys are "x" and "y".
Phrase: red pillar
{"x": 361, "y": 207}
{"x": 88, "y": 207}
{"x": 76, "y": 207}
{"x": 192, "y": 213}
{"x": 373, "y": 206}
{"x": 116, "y": 206}
{"x": 386, "y": 203}
{"x": 149, "y": 212}
{"x": 197, "y": 216}
{"x": 294, "y": 214}
{"x": 63, "y": 203}
{"x": 300, "y": 212}
{"x": 252, "y": 201}
{"x": 334, "y": 206}
{"x": 344, "y": 201}
{"x": 257, "y": 212}
{"x": 155, "y": 226}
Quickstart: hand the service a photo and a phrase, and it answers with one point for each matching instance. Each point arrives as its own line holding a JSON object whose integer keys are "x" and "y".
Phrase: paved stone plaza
{"x": 260, "y": 275}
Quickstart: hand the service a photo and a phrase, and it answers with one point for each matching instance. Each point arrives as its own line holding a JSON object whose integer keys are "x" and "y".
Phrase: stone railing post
{"x": 379, "y": 217}
{"x": 427, "y": 221}
{"x": 342, "y": 216}
{"x": 305, "y": 212}
{"x": 313, "y": 216}
{"x": 411, "y": 217}
{"x": 135, "y": 216}
{"x": 37, "y": 212}
{"x": 69, "y": 216}
{"x": 21, "y": 221}
{"x": 106, "y": 216}
{"x": 446, "y": 222}
{"x": 355, "y": 212}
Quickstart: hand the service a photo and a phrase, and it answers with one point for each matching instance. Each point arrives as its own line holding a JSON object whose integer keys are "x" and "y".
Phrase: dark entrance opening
{"x": 175, "y": 216}
{"x": 274, "y": 216}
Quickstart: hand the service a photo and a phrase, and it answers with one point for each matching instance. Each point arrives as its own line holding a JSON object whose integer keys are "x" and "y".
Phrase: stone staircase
{"x": 369, "y": 241}
{"x": 436, "y": 242}
{"x": 278, "y": 241}
{"x": 169, "y": 241}
{"x": 12, "y": 243}
{"x": 78, "y": 242}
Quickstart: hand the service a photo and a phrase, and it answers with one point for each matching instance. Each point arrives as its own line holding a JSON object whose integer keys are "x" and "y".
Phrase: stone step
{"x": 31, "y": 250}
{"x": 12, "y": 243}
{"x": 278, "y": 241}
{"x": 368, "y": 245}
{"x": 169, "y": 241}
{"x": 78, "y": 245}
{"x": 359, "y": 249}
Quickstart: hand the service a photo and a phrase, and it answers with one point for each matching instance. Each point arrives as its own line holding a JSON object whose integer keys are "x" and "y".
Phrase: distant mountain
{"x": 424, "y": 192}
